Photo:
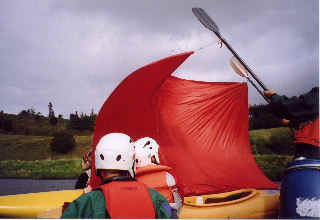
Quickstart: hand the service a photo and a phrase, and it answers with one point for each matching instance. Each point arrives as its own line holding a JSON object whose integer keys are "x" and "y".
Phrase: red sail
{"x": 129, "y": 109}
{"x": 201, "y": 127}
{"x": 204, "y": 136}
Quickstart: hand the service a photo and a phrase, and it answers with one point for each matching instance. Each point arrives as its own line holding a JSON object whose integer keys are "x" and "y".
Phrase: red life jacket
{"x": 128, "y": 199}
{"x": 155, "y": 176}
{"x": 309, "y": 134}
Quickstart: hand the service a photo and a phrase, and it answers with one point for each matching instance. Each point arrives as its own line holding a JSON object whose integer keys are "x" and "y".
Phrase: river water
{"x": 18, "y": 186}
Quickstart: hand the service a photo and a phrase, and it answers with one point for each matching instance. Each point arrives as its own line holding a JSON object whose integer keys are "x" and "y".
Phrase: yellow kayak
{"x": 244, "y": 203}
{"x": 36, "y": 205}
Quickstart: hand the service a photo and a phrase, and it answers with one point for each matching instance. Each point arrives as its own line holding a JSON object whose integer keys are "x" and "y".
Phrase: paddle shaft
{"x": 241, "y": 61}
{"x": 208, "y": 23}
{"x": 261, "y": 93}
{"x": 241, "y": 71}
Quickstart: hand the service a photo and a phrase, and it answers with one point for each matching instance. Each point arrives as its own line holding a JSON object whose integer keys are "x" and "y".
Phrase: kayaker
{"x": 302, "y": 114}
{"x": 154, "y": 175}
{"x": 119, "y": 195}
{"x": 84, "y": 178}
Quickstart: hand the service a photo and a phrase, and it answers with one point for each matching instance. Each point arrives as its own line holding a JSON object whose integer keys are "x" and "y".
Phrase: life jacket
{"x": 309, "y": 133}
{"x": 155, "y": 176}
{"x": 128, "y": 199}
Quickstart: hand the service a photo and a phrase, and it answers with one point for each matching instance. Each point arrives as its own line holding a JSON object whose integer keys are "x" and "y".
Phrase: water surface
{"x": 17, "y": 186}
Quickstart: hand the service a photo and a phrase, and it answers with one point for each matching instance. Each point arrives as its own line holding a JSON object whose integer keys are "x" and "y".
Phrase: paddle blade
{"x": 238, "y": 68}
{"x": 205, "y": 19}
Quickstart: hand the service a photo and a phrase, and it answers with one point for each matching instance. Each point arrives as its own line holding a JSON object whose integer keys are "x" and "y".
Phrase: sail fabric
{"x": 203, "y": 136}
{"x": 201, "y": 127}
{"x": 129, "y": 108}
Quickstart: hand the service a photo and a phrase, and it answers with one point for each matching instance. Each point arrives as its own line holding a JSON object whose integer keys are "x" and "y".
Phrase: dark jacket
{"x": 82, "y": 181}
{"x": 297, "y": 109}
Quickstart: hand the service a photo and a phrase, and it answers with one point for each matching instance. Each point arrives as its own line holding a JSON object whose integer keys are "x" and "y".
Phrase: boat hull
{"x": 245, "y": 203}
{"x": 35, "y": 205}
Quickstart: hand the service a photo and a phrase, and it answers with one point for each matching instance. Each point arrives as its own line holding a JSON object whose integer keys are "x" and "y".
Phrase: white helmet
{"x": 146, "y": 148}
{"x": 115, "y": 151}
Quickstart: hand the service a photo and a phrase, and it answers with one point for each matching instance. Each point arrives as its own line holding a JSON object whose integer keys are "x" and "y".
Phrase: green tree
{"x": 62, "y": 142}
{"x": 261, "y": 117}
{"x": 8, "y": 125}
{"x": 52, "y": 118}
{"x": 82, "y": 122}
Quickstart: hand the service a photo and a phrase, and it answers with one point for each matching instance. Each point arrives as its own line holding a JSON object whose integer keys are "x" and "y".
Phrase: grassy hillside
{"x": 272, "y": 165}
{"x": 272, "y": 141}
{"x": 20, "y": 147}
{"x": 31, "y": 157}
{"x": 40, "y": 169}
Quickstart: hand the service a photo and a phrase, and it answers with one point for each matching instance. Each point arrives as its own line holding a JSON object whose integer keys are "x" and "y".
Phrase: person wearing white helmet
{"x": 147, "y": 152}
{"x": 154, "y": 175}
{"x": 119, "y": 195}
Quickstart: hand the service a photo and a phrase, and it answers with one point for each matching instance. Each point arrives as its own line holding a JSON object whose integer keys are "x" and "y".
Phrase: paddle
{"x": 206, "y": 20}
{"x": 241, "y": 71}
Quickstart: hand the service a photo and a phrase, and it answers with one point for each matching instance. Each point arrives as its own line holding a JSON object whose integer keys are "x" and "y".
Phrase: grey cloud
{"x": 74, "y": 53}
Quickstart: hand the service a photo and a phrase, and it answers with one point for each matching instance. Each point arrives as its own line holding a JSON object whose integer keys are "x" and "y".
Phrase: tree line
{"x": 261, "y": 117}
{"x": 30, "y": 122}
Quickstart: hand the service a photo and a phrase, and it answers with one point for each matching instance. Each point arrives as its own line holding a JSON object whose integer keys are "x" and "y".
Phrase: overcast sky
{"x": 74, "y": 53}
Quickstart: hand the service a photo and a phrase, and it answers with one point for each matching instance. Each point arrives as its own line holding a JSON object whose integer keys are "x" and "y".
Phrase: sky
{"x": 75, "y": 53}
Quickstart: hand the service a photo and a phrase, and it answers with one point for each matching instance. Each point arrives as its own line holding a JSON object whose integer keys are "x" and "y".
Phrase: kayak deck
{"x": 244, "y": 203}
